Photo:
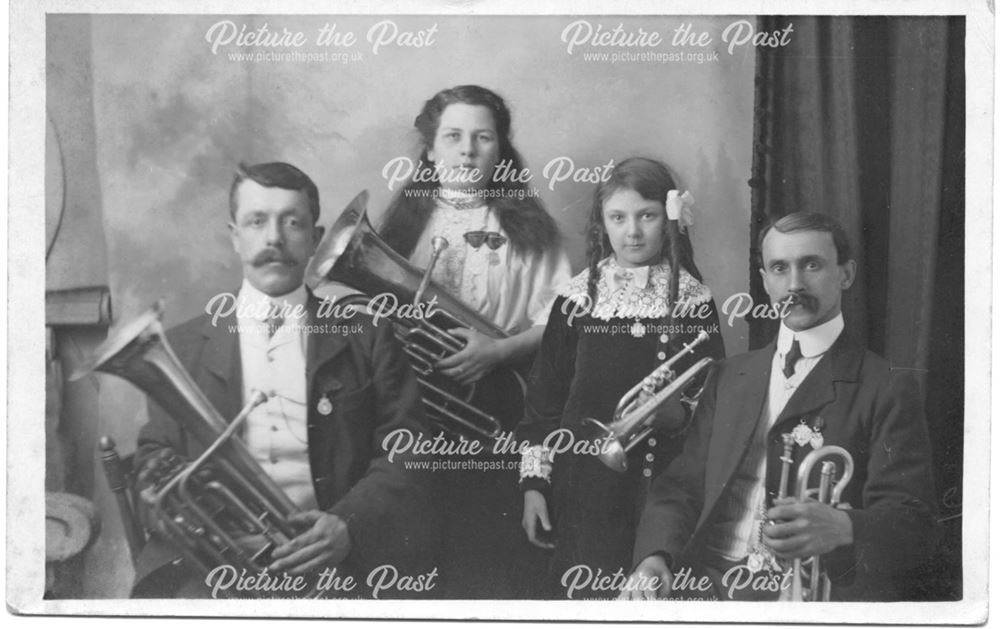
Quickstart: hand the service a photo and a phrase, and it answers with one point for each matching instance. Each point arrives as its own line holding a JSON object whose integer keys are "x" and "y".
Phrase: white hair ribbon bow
{"x": 680, "y": 207}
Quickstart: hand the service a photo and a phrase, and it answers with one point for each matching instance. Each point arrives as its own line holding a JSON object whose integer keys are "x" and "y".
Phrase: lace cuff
{"x": 536, "y": 462}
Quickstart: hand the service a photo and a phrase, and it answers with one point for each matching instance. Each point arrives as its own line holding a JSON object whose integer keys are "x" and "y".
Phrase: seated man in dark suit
{"x": 335, "y": 388}
{"x": 714, "y": 526}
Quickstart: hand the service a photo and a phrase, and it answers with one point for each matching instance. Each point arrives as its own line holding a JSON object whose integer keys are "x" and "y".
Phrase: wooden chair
{"x": 121, "y": 479}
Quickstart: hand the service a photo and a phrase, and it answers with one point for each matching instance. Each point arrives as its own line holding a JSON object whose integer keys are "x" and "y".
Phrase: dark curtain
{"x": 863, "y": 118}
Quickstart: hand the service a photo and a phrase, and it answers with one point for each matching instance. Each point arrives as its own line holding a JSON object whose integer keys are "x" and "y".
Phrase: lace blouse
{"x": 515, "y": 290}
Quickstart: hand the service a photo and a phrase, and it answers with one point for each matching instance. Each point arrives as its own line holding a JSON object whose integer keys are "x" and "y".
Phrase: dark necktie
{"x": 792, "y": 357}
{"x": 273, "y": 323}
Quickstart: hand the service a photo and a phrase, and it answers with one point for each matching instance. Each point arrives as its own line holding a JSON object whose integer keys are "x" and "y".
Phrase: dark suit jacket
{"x": 868, "y": 408}
{"x": 367, "y": 378}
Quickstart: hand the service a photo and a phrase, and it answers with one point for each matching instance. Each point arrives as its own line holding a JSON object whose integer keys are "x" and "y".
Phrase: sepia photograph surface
{"x": 500, "y": 311}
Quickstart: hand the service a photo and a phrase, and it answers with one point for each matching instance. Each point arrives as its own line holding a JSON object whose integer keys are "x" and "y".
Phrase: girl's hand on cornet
{"x": 670, "y": 417}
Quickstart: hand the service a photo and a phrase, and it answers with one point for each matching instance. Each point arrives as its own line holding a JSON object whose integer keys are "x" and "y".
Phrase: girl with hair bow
{"x": 638, "y": 302}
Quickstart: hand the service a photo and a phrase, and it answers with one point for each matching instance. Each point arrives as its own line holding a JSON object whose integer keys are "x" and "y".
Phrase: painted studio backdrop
{"x": 149, "y": 116}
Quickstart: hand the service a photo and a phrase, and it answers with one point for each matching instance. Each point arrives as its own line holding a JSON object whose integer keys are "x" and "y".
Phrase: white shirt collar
{"x": 256, "y": 303}
{"x": 814, "y": 341}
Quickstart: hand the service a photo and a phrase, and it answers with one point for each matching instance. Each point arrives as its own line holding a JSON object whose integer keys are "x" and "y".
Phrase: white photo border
{"x": 26, "y": 376}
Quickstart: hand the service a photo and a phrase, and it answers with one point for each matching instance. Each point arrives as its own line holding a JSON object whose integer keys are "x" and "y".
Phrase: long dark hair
{"x": 524, "y": 219}
{"x": 652, "y": 181}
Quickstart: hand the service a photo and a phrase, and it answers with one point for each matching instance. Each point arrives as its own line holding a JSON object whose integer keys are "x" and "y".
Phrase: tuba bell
{"x": 633, "y": 417}
{"x": 356, "y": 267}
{"x": 210, "y": 507}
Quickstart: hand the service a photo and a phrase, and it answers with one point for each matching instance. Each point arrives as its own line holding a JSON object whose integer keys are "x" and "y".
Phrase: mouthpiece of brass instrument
{"x": 438, "y": 244}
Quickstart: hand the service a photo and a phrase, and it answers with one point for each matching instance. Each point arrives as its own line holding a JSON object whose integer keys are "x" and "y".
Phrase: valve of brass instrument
{"x": 158, "y": 469}
{"x": 653, "y": 383}
{"x": 161, "y": 468}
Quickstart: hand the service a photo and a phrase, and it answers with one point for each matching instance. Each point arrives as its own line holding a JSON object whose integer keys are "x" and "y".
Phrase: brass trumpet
{"x": 353, "y": 255}
{"x": 827, "y": 493}
{"x": 633, "y": 417}
{"x": 205, "y": 507}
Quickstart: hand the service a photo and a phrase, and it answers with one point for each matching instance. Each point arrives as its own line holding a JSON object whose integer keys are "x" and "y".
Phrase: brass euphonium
{"x": 353, "y": 256}
{"x": 633, "y": 418}
{"x": 828, "y": 493}
{"x": 208, "y": 508}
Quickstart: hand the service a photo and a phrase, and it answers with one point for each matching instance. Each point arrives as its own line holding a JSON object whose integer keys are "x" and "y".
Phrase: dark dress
{"x": 582, "y": 370}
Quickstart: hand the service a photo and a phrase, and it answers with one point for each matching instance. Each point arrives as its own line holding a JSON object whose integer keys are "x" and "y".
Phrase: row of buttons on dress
{"x": 661, "y": 355}
{"x": 647, "y": 468}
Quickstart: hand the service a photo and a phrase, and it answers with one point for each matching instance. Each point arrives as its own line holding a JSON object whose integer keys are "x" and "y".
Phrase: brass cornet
{"x": 828, "y": 493}
{"x": 204, "y": 508}
{"x": 632, "y": 420}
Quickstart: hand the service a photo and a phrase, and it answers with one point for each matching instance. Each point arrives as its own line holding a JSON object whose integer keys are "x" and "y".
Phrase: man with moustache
{"x": 715, "y": 512}
{"x": 331, "y": 401}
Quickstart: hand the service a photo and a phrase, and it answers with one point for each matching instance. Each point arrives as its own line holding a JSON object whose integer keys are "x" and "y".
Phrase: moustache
{"x": 801, "y": 299}
{"x": 269, "y": 255}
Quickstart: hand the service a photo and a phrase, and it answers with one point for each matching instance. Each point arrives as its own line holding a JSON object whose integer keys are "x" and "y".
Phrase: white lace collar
{"x": 643, "y": 296}
{"x": 460, "y": 200}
